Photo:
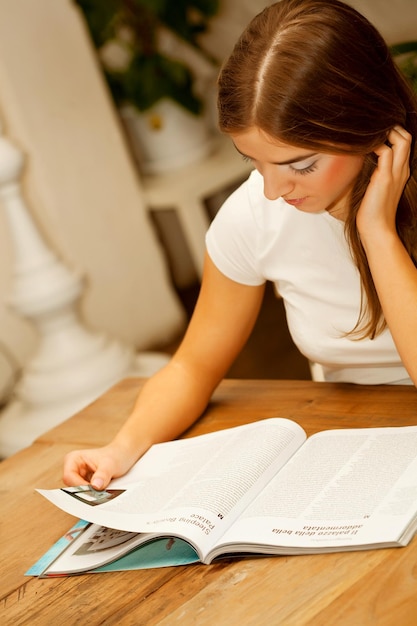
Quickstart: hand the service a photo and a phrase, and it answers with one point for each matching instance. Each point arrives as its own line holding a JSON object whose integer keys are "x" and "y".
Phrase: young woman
{"x": 312, "y": 97}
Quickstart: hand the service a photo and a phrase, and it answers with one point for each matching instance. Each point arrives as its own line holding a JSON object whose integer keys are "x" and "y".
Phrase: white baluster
{"x": 72, "y": 365}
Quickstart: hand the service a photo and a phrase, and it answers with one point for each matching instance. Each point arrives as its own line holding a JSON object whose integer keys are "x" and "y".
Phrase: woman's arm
{"x": 393, "y": 271}
{"x": 175, "y": 397}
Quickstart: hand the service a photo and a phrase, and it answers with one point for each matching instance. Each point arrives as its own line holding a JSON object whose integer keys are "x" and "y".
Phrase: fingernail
{"x": 97, "y": 483}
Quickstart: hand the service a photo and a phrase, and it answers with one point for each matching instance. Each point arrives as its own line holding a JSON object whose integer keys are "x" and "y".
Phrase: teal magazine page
{"x": 89, "y": 548}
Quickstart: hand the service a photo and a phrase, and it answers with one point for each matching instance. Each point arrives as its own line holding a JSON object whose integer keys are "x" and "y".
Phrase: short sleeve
{"x": 232, "y": 240}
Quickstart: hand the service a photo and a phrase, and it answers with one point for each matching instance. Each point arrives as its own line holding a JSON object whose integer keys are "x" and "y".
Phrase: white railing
{"x": 72, "y": 365}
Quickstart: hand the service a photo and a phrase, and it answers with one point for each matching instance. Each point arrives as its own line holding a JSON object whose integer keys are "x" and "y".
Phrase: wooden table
{"x": 374, "y": 587}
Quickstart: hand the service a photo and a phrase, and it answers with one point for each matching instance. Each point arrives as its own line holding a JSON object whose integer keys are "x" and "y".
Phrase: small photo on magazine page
{"x": 104, "y": 538}
{"x": 89, "y": 495}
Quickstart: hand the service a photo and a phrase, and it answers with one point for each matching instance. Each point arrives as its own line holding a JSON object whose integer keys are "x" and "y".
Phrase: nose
{"x": 275, "y": 184}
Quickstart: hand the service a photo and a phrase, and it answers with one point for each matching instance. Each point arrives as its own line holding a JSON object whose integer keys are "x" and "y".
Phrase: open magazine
{"x": 262, "y": 488}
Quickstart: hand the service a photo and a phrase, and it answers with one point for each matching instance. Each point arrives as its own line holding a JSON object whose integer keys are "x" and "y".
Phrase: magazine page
{"x": 344, "y": 489}
{"x": 191, "y": 488}
{"x": 90, "y": 548}
{"x": 95, "y": 546}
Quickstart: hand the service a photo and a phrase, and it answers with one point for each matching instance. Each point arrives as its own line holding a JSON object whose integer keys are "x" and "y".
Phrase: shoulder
{"x": 237, "y": 235}
{"x": 247, "y": 205}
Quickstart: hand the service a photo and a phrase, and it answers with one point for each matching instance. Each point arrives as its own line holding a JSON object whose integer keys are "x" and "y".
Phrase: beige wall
{"x": 396, "y": 19}
{"x": 79, "y": 181}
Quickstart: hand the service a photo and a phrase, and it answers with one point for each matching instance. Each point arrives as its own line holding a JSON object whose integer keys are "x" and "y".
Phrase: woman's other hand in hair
{"x": 379, "y": 205}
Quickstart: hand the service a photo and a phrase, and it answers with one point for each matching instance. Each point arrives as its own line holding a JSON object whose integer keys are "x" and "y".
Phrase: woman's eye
{"x": 246, "y": 158}
{"x": 305, "y": 170}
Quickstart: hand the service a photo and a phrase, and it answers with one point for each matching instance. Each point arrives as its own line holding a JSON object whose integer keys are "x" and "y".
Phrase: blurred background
{"x": 110, "y": 105}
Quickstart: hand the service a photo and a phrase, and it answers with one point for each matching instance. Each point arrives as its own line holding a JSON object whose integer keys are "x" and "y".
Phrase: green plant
{"x": 405, "y": 55}
{"x": 135, "y": 26}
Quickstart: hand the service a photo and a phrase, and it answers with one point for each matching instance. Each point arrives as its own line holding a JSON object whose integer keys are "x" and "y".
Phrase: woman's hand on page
{"x": 379, "y": 205}
{"x": 96, "y": 466}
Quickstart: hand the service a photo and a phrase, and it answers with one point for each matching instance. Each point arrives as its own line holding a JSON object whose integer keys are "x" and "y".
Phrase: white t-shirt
{"x": 306, "y": 256}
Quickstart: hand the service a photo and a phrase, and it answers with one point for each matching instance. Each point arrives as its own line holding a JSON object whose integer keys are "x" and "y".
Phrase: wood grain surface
{"x": 376, "y": 587}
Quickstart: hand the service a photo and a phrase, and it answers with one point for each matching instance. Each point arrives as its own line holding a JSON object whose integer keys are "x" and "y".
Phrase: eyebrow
{"x": 304, "y": 157}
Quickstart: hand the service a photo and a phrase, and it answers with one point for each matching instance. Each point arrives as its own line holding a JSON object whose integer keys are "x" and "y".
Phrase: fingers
{"x": 401, "y": 144}
{"x": 94, "y": 467}
{"x": 400, "y": 140}
{"x": 399, "y": 130}
{"x": 78, "y": 468}
{"x": 380, "y": 202}
{"x": 102, "y": 476}
{"x": 394, "y": 155}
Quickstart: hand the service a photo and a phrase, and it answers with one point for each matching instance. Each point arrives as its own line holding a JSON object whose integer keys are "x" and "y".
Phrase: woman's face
{"x": 311, "y": 181}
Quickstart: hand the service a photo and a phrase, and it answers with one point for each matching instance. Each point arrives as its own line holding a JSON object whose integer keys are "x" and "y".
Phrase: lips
{"x": 294, "y": 201}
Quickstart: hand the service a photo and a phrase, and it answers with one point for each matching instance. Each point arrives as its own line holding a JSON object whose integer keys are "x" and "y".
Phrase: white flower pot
{"x": 166, "y": 136}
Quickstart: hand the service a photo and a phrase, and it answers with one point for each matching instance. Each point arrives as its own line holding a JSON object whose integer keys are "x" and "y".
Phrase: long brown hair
{"x": 316, "y": 74}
